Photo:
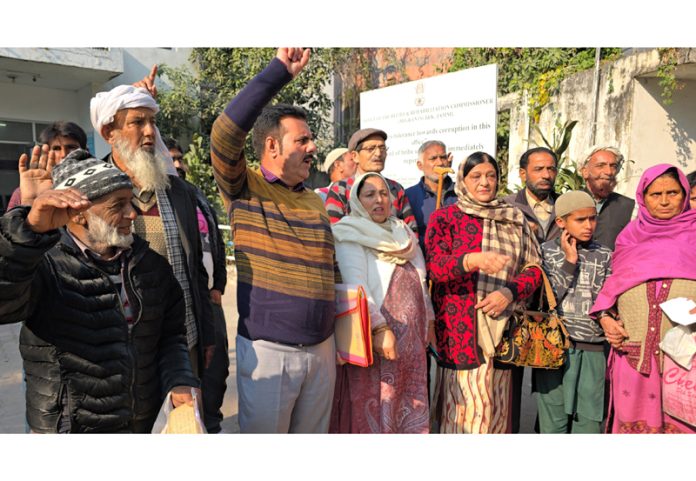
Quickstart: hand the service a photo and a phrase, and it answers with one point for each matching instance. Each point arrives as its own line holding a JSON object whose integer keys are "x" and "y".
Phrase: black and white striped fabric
{"x": 175, "y": 255}
{"x": 92, "y": 177}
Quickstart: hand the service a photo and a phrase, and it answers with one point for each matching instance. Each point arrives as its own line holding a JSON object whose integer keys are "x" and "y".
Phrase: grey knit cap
{"x": 571, "y": 201}
{"x": 92, "y": 177}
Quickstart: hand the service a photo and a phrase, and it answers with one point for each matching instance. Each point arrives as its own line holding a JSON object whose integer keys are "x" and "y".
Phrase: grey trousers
{"x": 285, "y": 389}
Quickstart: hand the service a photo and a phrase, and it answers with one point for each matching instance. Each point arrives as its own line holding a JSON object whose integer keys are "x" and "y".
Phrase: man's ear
{"x": 79, "y": 219}
{"x": 272, "y": 146}
{"x": 560, "y": 222}
{"x": 107, "y": 133}
{"x": 523, "y": 175}
{"x": 419, "y": 164}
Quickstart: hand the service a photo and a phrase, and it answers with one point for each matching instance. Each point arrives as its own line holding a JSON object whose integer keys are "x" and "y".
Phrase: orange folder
{"x": 353, "y": 333}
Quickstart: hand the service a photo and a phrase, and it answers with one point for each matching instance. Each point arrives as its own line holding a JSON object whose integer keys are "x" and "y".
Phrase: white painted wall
{"x": 660, "y": 133}
{"x": 22, "y": 102}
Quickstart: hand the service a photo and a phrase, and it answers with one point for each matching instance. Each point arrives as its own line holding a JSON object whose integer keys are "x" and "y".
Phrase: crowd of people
{"x": 116, "y": 269}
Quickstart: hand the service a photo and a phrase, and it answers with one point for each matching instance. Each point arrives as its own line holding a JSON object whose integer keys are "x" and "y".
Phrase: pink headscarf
{"x": 650, "y": 248}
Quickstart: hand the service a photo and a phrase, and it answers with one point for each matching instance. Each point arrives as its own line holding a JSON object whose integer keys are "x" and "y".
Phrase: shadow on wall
{"x": 683, "y": 139}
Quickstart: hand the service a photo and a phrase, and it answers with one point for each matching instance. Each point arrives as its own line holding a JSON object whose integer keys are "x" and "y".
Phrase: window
{"x": 16, "y": 138}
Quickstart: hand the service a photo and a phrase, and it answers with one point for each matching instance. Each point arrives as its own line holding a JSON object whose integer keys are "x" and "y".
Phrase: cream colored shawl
{"x": 392, "y": 241}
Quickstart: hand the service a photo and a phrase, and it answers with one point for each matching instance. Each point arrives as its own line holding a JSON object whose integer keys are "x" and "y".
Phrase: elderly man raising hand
{"x": 103, "y": 338}
{"x": 125, "y": 117}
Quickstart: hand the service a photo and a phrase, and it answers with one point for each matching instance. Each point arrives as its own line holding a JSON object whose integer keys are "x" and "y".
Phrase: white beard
{"x": 102, "y": 235}
{"x": 149, "y": 170}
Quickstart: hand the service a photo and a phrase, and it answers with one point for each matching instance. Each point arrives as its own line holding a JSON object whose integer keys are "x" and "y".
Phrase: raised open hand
{"x": 35, "y": 174}
{"x": 148, "y": 82}
{"x": 294, "y": 59}
{"x": 54, "y": 208}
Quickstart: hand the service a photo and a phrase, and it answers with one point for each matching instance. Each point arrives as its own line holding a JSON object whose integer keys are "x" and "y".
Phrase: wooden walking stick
{"x": 441, "y": 172}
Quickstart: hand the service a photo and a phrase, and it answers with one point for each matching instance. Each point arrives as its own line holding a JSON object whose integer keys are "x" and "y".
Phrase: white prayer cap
{"x": 103, "y": 106}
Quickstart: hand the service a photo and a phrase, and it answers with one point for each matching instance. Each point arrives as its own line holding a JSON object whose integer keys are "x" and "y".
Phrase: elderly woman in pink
{"x": 654, "y": 261}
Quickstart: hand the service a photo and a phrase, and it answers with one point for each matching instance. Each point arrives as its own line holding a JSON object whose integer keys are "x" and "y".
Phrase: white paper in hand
{"x": 677, "y": 310}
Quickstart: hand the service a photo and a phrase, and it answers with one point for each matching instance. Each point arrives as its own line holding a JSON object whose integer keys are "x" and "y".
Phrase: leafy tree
{"x": 568, "y": 176}
{"x": 200, "y": 172}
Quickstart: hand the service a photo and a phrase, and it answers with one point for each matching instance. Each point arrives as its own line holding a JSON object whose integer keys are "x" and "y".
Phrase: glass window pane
{"x": 9, "y": 154}
{"x": 39, "y": 129}
{"x": 16, "y": 131}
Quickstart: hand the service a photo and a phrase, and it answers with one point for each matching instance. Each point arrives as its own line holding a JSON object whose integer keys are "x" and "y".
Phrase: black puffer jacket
{"x": 84, "y": 371}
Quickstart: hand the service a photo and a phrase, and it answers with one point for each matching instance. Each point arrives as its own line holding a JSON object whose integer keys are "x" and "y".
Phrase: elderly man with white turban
{"x": 166, "y": 206}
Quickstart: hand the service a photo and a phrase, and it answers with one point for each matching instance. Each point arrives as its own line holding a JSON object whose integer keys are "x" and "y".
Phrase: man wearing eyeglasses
{"x": 370, "y": 152}
{"x": 614, "y": 210}
{"x": 423, "y": 195}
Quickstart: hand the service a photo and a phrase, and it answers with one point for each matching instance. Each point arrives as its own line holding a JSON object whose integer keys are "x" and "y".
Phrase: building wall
{"x": 27, "y": 102}
{"x": 630, "y": 116}
{"x": 661, "y": 133}
{"x": 22, "y": 102}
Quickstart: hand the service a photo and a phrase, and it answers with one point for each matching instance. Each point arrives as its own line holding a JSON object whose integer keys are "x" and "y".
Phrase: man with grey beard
{"x": 125, "y": 118}
{"x": 599, "y": 170}
{"x": 103, "y": 338}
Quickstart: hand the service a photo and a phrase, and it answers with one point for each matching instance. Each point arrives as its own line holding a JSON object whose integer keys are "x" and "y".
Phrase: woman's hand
{"x": 384, "y": 343}
{"x": 488, "y": 262}
{"x": 494, "y": 303}
{"x": 614, "y": 331}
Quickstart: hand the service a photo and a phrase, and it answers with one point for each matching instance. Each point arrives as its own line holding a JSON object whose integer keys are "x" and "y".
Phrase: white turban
{"x": 103, "y": 108}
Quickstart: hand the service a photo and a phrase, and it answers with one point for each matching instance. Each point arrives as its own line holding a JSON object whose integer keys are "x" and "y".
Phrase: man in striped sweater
{"x": 370, "y": 152}
{"x": 285, "y": 258}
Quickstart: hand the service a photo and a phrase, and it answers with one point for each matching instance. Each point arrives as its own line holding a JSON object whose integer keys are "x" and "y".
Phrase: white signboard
{"x": 457, "y": 108}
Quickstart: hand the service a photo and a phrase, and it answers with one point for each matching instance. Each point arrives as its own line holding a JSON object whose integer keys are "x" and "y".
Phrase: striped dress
{"x": 284, "y": 247}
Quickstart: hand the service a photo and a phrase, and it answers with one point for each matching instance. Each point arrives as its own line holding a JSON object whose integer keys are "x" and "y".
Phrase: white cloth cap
{"x": 104, "y": 105}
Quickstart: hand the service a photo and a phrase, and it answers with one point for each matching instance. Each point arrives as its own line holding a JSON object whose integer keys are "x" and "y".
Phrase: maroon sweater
{"x": 451, "y": 234}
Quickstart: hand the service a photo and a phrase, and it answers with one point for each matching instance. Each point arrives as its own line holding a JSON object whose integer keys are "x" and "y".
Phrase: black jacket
{"x": 552, "y": 230}
{"x": 183, "y": 200}
{"x": 217, "y": 243}
{"x": 614, "y": 216}
{"x": 84, "y": 371}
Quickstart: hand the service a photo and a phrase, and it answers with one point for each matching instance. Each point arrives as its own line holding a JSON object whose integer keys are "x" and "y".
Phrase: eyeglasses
{"x": 371, "y": 149}
{"x": 441, "y": 157}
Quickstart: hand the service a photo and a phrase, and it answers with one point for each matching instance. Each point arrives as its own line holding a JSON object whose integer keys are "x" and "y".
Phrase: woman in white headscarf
{"x": 379, "y": 252}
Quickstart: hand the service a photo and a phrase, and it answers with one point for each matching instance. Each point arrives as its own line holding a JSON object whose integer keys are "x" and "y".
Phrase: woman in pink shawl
{"x": 654, "y": 261}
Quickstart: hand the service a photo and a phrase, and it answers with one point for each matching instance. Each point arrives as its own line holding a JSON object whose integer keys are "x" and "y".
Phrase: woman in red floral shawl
{"x": 475, "y": 253}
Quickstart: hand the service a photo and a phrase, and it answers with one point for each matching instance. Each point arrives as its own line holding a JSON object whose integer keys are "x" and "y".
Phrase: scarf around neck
{"x": 649, "y": 248}
{"x": 505, "y": 231}
{"x": 392, "y": 241}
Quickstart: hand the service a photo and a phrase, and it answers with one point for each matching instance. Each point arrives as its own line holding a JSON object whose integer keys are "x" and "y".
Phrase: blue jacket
{"x": 422, "y": 201}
